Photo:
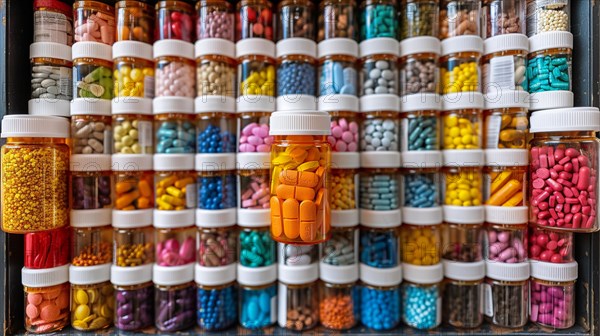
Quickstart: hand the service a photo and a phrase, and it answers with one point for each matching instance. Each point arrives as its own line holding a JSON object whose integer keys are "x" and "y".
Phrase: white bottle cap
{"x": 255, "y": 46}
{"x": 550, "y": 40}
{"x": 132, "y": 219}
{"x": 425, "y": 275}
{"x": 22, "y": 125}
{"x": 465, "y": 43}
{"x": 95, "y": 50}
{"x": 50, "y": 50}
{"x": 464, "y": 271}
{"x": 129, "y": 276}
{"x": 345, "y": 218}
{"x": 131, "y": 105}
{"x": 337, "y": 46}
{"x": 296, "y": 46}
{"x": 304, "y": 122}
{"x": 295, "y": 102}
{"x": 422, "y": 216}
{"x": 462, "y": 101}
{"x": 505, "y": 42}
{"x": 380, "y": 102}
{"x": 507, "y": 99}
{"x": 215, "y": 276}
{"x": 551, "y": 100}
{"x": 90, "y": 162}
{"x": 420, "y": 45}
{"x": 172, "y": 275}
{"x": 173, "y": 219}
{"x": 555, "y": 272}
{"x": 464, "y": 214}
{"x": 218, "y": 103}
{"x": 173, "y": 162}
{"x": 91, "y": 217}
{"x": 48, "y": 107}
{"x": 506, "y": 215}
{"x": 345, "y": 160}
{"x": 264, "y": 104}
{"x": 215, "y": 218}
{"x": 256, "y": 276}
{"x": 132, "y": 162}
{"x": 463, "y": 157}
{"x": 380, "y": 219}
{"x": 506, "y": 157}
{"x": 340, "y": 275}
{"x": 384, "y": 277}
{"x": 253, "y": 161}
{"x": 420, "y": 102}
{"x": 422, "y": 159}
{"x": 175, "y": 48}
{"x": 338, "y": 102}
{"x": 162, "y": 105}
{"x": 378, "y": 46}
{"x": 565, "y": 120}
{"x": 507, "y": 272}
{"x": 45, "y": 277}
{"x": 87, "y": 106}
{"x": 215, "y": 46}
{"x": 133, "y": 49}
{"x": 215, "y": 161}
{"x": 89, "y": 275}
{"x": 298, "y": 275}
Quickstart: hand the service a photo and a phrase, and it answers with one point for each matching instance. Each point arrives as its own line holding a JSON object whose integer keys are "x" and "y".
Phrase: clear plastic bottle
{"x": 257, "y": 296}
{"x": 175, "y": 131}
{"x": 506, "y": 294}
{"x": 462, "y": 181}
{"x": 544, "y": 16}
{"x": 91, "y": 189}
{"x": 94, "y": 21}
{"x": 340, "y": 253}
{"x": 505, "y": 239}
{"x": 553, "y": 294}
{"x": 296, "y": 19}
{"x": 501, "y": 17}
{"x": 296, "y": 74}
{"x": 217, "y": 245}
{"x": 380, "y": 297}
{"x": 459, "y": 64}
{"x": 134, "y": 189}
{"x": 505, "y": 178}
{"x": 135, "y": 21}
{"x": 47, "y": 297}
{"x": 254, "y": 19}
{"x": 459, "y": 18}
{"x": 419, "y": 18}
{"x": 215, "y": 71}
{"x": 337, "y": 67}
{"x": 420, "y": 125}
{"x": 463, "y": 293}
{"x": 337, "y": 19}
{"x": 35, "y": 162}
{"x": 133, "y": 245}
{"x": 53, "y": 22}
{"x": 175, "y": 21}
{"x": 91, "y": 131}
{"x": 504, "y": 68}
{"x": 256, "y": 249}
{"x": 91, "y": 244}
{"x": 256, "y": 69}
{"x": 134, "y": 297}
{"x": 380, "y": 131}
{"x": 133, "y": 70}
{"x": 378, "y": 64}
{"x": 175, "y": 244}
{"x": 92, "y": 297}
{"x": 47, "y": 249}
{"x": 254, "y": 185}
{"x": 174, "y": 297}
{"x": 214, "y": 20}
{"x": 175, "y": 69}
{"x": 463, "y": 239}
{"x": 51, "y": 79}
{"x": 217, "y": 297}
{"x": 379, "y": 247}
{"x": 175, "y": 183}
{"x": 382, "y": 208}
{"x": 378, "y": 18}
{"x": 422, "y": 296}
{"x": 550, "y": 246}
{"x": 418, "y": 66}
{"x": 505, "y": 121}
{"x": 92, "y": 71}
{"x": 132, "y": 128}
{"x": 345, "y": 179}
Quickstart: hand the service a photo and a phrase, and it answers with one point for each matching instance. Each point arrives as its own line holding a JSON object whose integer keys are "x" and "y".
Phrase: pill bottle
{"x": 175, "y": 244}
{"x": 383, "y": 206}
{"x": 505, "y": 121}
{"x": 174, "y": 69}
{"x": 91, "y": 189}
{"x": 378, "y": 18}
{"x": 215, "y": 70}
{"x": 254, "y": 19}
{"x": 501, "y": 17}
{"x": 378, "y": 66}
{"x": 549, "y": 70}
{"x": 256, "y": 69}
{"x": 298, "y": 290}
{"x": 174, "y": 297}
{"x": 379, "y": 131}
{"x": 462, "y": 234}
{"x": 503, "y": 66}
{"x": 344, "y": 180}
{"x": 462, "y": 119}
{"x": 419, "y": 18}
{"x": 92, "y": 297}
{"x": 505, "y": 181}
{"x": 51, "y": 79}
{"x": 217, "y": 245}
{"x": 216, "y": 196}
{"x": 52, "y": 22}
{"x": 256, "y": 249}
{"x": 94, "y": 21}
{"x": 134, "y": 189}
{"x": 134, "y": 297}
{"x": 91, "y": 131}
{"x": 135, "y": 21}
{"x": 418, "y": 66}
{"x": 47, "y": 296}
{"x": 175, "y": 21}
{"x": 296, "y": 74}
{"x": 91, "y": 244}
{"x": 553, "y": 294}
{"x": 420, "y": 127}
{"x": 300, "y": 157}
{"x": 459, "y": 18}
{"x": 297, "y": 255}
{"x": 132, "y": 127}
{"x": 217, "y": 297}
{"x": 563, "y": 157}
{"x": 47, "y": 249}
{"x": 422, "y": 296}
{"x": 257, "y": 296}
{"x": 175, "y": 136}
{"x": 459, "y": 64}
{"x": 214, "y": 20}
{"x": 337, "y": 19}
{"x": 295, "y": 19}
{"x": 254, "y": 139}
{"x": 254, "y": 186}
{"x": 92, "y": 70}
{"x": 133, "y": 244}
{"x": 421, "y": 241}
{"x": 345, "y": 122}
{"x": 340, "y": 253}
{"x": 379, "y": 246}
{"x": 133, "y": 69}
{"x": 337, "y": 61}
{"x": 380, "y": 297}
{"x": 463, "y": 293}
{"x": 506, "y": 294}
{"x": 505, "y": 237}
{"x": 550, "y": 246}
{"x": 35, "y": 162}
{"x": 544, "y": 16}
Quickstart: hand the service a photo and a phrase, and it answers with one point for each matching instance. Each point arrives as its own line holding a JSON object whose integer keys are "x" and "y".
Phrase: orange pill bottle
{"x": 300, "y": 160}
{"x": 46, "y": 299}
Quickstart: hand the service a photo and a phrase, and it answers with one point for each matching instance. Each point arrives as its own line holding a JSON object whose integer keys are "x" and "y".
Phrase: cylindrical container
{"x": 298, "y": 290}
{"x": 380, "y": 297}
{"x": 463, "y": 293}
{"x": 296, "y": 74}
{"x": 216, "y": 126}
{"x": 505, "y": 178}
{"x": 216, "y": 196}
{"x": 133, "y": 245}
{"x": 92, "y": 70}
{"x": 175, "y": 243}
{"x": 337, "y": 61}
{"x": 505, "y": 121}
{"x": 503, "y": 68}
{"x": 257, "y": 296}
{"x": 339, "y": 304}
{"x": 91, "y": 244}
{"x": 134, "y": 190}
{"x": 254, "y": 19}
{"x": 217, "y": 245}
{"x": 380, "y": 131}
{"x": 175, "y": 182}
{"x": 459, "y": 17}
{"x": 378, "y": 18}
{"x": 550, "y": 246}
{"x": 132, "y": 127}
{"x": 422, "y": 296}
{"x": 174, "y": 21}
{"x": 256, "y": 249}
{"x": 501, "y": 17}
{"x": 175, "y": 135}
{"x": 379, "y": 246}
{"x": 253, "y": 189}
{"x": 420, "y": 127}
{"x": 341, "y": 251}
{"x": 174, "y": 297}
{"x": 344, "y": 179}
{"x": 214, "y": 20}
{"x": 553, "y": 294}
{"x": 254, "y": 139}
{"x": 419, "y": 18}
{"x": 91, "y": 190}
{"x": 462, "y": 181}
{"x": 133, "y": 70}
{"x": 421, "y": 243}
{"x": 135, "y": 21}
{"x": 345, "y": 125}
{"x": 300, "y": 158}
{"x": 463, "y": 239}
{"x": 337, "y": 19}
{"x": 91, "y": 133}
{"x": 52, "y": 22}
{"x": 215, "y": 70}
{"x": 47, "y": 249}
{"x": 35, "y": 169}
{"x": 418, "y": 67}
{"x": 383, "y": 206}
{"x": 51, "y": 79}
{"x": 94, "y": 21}
{"x": 217, "y": 297}
{"x": 459, "y": 65}
{"x": 544, "y": 16}
{"x": 256, "y": 69}
{"x": 505, "y": 239}
{"x": 506, "y": 294}
{"x": 92, "y": 297}
{"x": 134, "y": 297}
{"x": 296, "y": 18}
{"x": 46, "y": 298}
{"x": 378, "y": 66}
{"x": 564, "y": 169}
{"x": 175, "y": 69}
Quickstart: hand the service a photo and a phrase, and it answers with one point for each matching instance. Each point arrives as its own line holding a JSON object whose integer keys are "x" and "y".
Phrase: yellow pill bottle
{"x": 174, "y": 69}
{"x": 91, "y": 189}
{"x": 46, "y": 292}
{"x": 505, "y": 178}
{"x": 421, "y": 242}
{"x": 132, "y": 126}
{"x": 462, "y": 121}
{"x": 505, "y": 121}
{"x": 459, "y": 18}
{"x": 35, "y": 169}
{"x": 504, "y": 65}
{"x": 133, "y": 70}
{"x": 300, "y": 162}
{"x": 133, "y": 245}
{"x": 175, "y": 190}
{"x": 459, "y": 64}
{"x": 462, "y": 181}
{"x": 91, "y": 244}
{"x": 299, "y": 54}
{"x": 92, "y": 298}
{"x": 135, "y": 21}
{"x": 418, "y": 66}
{"x": 463, "y": 282}
{"x": 256, "y": 69}
{"x": 216, "y": 68}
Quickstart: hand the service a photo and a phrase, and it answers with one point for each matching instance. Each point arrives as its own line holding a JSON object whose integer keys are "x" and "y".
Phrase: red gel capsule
{"x": 47, "y": 249}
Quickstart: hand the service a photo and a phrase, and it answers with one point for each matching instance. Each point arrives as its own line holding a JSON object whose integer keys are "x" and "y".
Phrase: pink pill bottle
{"x": 175, "y": 20}
{"x": 175, "y": 244}
{"x": 174, "y": 69}
{"x": 94, "y": 21}
{"x": 46, "y": 299}
{"x": 564, "y": 169}
{"x": 92, "y": 244}
{"x": 254, "y": 19}
{"x": 254, "y": 189}
{"x": 253, "y": 132}
{"x": 135, "y": 21}
{"x": 553, "y": 294}
{"x": 214, "y": 20}
{"x": 550, "y": 246}
{"x": 505, "y": 236}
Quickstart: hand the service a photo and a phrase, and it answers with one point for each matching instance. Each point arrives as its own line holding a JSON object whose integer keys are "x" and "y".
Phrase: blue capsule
{"x": 257, "y": 306}
{"x": 421, "y": 190}
{"x": 379, "y": 192}
{"x": 379, "y": 248}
